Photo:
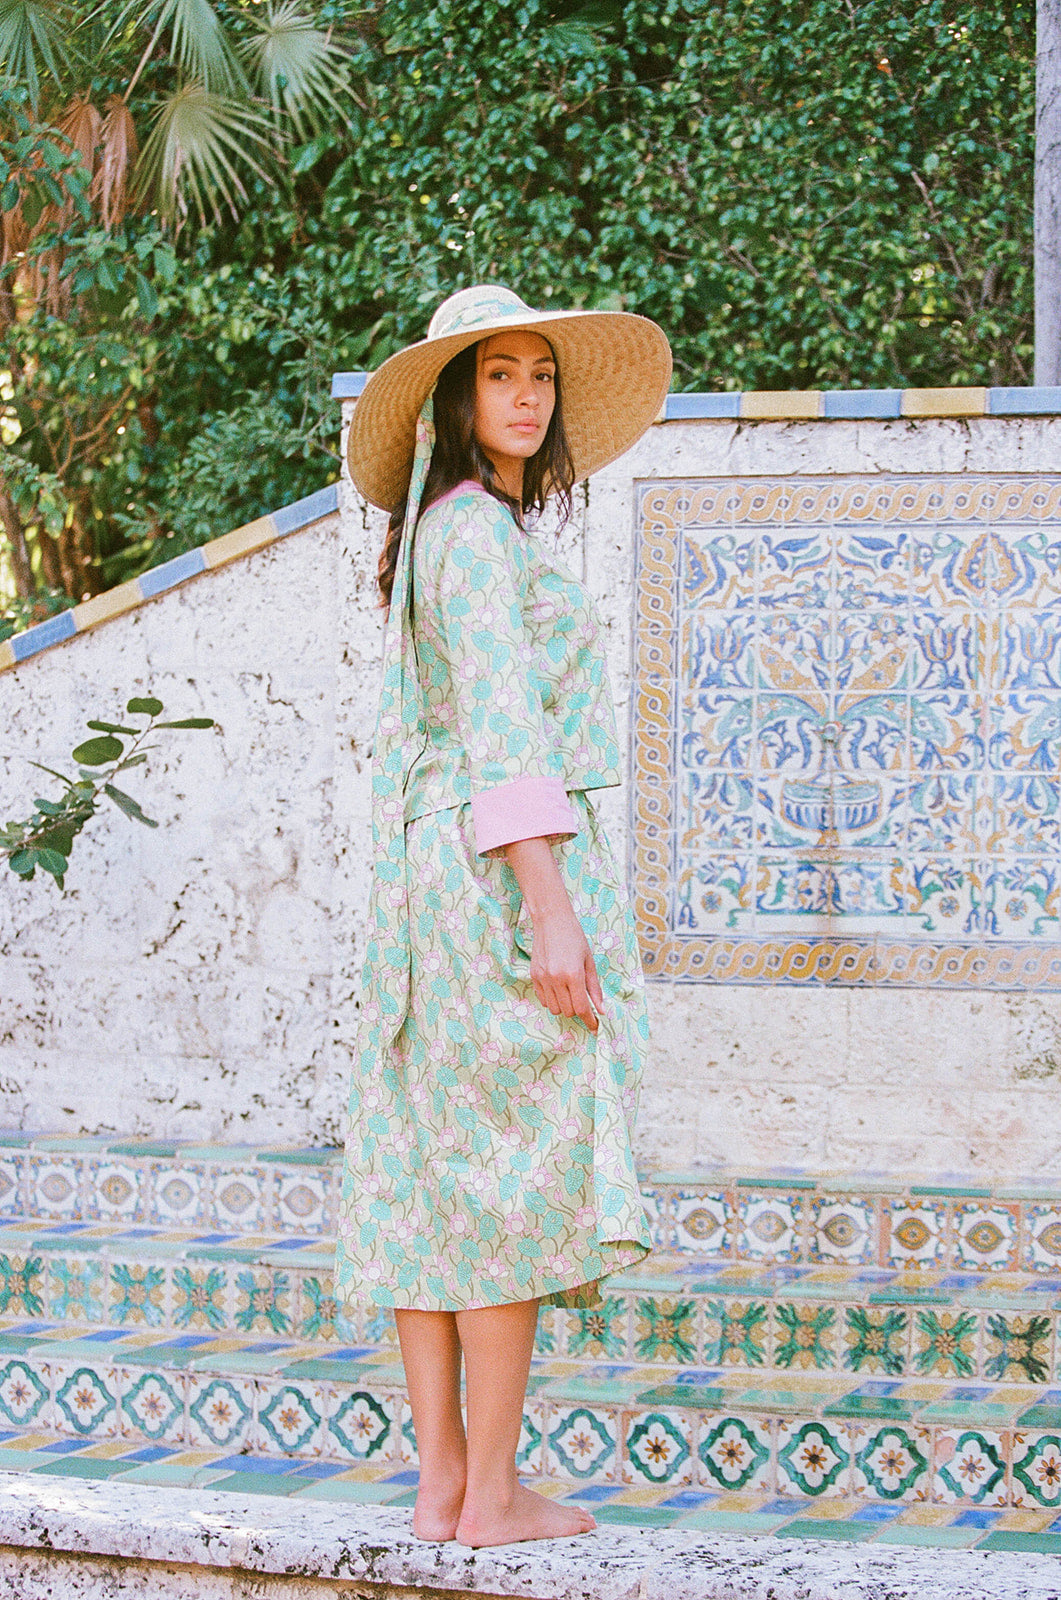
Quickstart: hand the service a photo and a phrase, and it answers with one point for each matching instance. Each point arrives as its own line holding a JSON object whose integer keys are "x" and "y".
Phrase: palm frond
{"x": 33, "y": 37}
{"x": 198, "y": 141}
{"x": 299, "y": 68}
{"x": 198, "y": 40}
{"x": 81, "y": 123}
{"x": 118, "y": 151}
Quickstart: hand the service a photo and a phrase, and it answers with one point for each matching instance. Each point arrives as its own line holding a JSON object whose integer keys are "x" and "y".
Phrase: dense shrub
{"x": 805, "y": 193}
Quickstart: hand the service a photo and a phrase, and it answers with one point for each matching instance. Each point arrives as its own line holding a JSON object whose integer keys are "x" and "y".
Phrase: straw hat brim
{"x": 615, "y": 371}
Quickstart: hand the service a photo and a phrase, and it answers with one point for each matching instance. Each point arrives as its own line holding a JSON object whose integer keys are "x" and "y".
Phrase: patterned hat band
{"x": 615, "y": 367}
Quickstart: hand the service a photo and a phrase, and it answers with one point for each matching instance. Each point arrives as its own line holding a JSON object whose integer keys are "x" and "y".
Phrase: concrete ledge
{"x": 323, "y": 1549}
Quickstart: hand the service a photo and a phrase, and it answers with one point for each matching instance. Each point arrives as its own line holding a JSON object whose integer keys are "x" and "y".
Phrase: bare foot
{"x": 527, "y": 1516}
{"x": 437, "y": 1510}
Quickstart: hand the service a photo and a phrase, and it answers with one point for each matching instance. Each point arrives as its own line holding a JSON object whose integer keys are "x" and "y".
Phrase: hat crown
{"x": 475, "y": 307}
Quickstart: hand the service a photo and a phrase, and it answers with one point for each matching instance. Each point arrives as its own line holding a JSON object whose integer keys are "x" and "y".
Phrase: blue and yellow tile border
{"x": 182, "y": 569}
{"x": 751, "y": 405}
{"x": 825, "y": 405}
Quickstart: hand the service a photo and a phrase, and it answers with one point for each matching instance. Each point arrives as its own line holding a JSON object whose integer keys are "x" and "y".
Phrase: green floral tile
{"x": 322, "y": 1316}
{"x": 199, "y": 1297}
{"x": 805, "y": 1336}
{"x": 288, "y": 1419}
{"x": 734, "y": 1453}
{"x": 970, "y": 1467}
{"x": 735, "y": 1333}
{"x": 363, "y": 1426}
{"x": 263, "y": 1301}
{"x": 21, "y": 1286}
{"x": 875, "y": 1340}
{"x": 945, "y": 1343}
{"x": 22, "y": 1394}
{"x": 600, "y": 1331}
{"x": 86, "y": 1405}
{"x": 136, "y": 1294}
{"x": 1037, "y": 1469}
{"x": 75, "y": 1290}
{"x": 812, "y": 1459}
{"x": 153, "y": 1407}
{"x": 219, "y": 1412}
{"x": 657, "y": 1449}
{"x": 666, "y": 1330}
{"x": 892, "y": 1463}
{"x": 1017, "y": 1348}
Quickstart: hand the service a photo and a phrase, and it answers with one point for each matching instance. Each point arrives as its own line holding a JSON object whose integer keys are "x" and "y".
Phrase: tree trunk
{"x": 1048, "y": 193}
{"x": 18, "y": 554}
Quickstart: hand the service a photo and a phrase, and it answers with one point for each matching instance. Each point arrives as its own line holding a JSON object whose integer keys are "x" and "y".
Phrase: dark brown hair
{"x": 458, "y": 455}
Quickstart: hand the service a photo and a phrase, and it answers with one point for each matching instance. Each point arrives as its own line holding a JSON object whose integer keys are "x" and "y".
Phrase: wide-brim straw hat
{"x": 615, "y": 371}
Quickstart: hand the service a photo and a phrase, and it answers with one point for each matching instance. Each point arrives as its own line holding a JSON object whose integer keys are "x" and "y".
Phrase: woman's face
{"x": 515, "y": 392}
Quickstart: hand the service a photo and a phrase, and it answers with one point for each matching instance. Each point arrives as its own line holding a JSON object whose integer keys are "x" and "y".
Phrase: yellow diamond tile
{"x": 113, "y": 603}
{"x": 944, "y": 402}
{"x": 240, "y": 542}
{"x": 781, "y": 403}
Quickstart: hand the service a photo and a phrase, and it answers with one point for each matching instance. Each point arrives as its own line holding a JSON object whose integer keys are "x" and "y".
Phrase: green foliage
{"x": 46, "y": 837}
{"x": 830, "y": 193}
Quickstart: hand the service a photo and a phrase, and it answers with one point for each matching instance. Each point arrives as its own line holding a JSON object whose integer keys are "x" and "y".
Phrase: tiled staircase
{"x": 865, "y": 1359}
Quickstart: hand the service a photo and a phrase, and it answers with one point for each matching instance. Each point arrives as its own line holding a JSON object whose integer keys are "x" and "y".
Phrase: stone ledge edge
{"x": 66, "y": 625}
{"x": 825, "y": 405}
{"x": 348, "y": 1544}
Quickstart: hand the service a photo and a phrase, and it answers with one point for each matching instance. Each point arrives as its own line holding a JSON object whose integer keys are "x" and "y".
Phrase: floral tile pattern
{"x": 582, "y": 1444}
{"x": 665, "y": 1330}
{"x": 734, "y": 1454}
{"x": 875, "y": 1340}
{"x": 893, "y": 1463}
{"x": 1037, "y": 1469}
{"x": 805, "y": 1336}
{"x": 970, "y": 1466}
{"x": 813, "y": 1459}
{"x": 657, "y": 1448}
{"x": 848, "y": 771}
{"x": 735, "y": 1332}
{"x": 220, "y": 1411}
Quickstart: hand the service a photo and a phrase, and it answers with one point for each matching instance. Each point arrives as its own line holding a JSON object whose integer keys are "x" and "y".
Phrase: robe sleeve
{"x": 516, "y": 775}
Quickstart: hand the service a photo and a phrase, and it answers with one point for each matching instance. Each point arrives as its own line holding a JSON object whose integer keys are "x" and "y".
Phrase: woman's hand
{"x": 563, "y": 971}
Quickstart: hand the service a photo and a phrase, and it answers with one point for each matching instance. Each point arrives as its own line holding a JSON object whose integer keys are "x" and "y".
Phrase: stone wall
{"x": 200, "y": 981}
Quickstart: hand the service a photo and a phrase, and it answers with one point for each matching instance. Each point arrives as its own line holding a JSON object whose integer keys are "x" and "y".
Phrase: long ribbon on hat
{"x": 401, "y": 732}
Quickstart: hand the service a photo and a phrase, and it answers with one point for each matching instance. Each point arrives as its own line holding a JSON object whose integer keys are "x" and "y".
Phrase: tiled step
{"x": 675, "y": 1308}
{"x": 124, "y": 1463}
{"x": 809, "y": 1437}
{"x": 948, "y": 1223}
{"x": 121, "y": 1536}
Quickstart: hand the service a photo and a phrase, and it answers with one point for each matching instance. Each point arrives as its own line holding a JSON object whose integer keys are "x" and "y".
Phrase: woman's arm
{"x": 563, "y": 971}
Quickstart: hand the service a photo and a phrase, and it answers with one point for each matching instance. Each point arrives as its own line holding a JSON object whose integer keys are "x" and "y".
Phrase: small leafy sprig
{"x": 46, "y": 838}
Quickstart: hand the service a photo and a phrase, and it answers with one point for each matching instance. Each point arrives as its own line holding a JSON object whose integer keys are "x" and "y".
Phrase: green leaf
{"x": 49, "y": 808}
{"x": 146, "y": 296}
{"x": 126, "y": 803}
{"x": 24, "y": 862}
{"x": 144, "y": 706}
{"x": 111, "y": 727}
{"x": 51, "y": 861}
{"x": 53, "y": 774}
{"x": 98, "y": 752}
{"x": 189, "y": 722}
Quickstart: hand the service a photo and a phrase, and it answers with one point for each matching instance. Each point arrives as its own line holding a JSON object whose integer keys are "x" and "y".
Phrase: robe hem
{"x": 403, "y": 1300}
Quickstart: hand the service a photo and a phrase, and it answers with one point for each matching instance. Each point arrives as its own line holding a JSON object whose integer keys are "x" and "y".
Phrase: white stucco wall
{"x": 200, "y": 981}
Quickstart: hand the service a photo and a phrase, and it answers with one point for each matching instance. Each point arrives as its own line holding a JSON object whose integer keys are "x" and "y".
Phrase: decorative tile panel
{"x": 848, "y": 730}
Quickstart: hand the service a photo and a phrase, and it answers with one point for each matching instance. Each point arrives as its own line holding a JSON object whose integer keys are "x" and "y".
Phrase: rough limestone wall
{"x": 183, "y": 984}
{"x": 200, "y": 981}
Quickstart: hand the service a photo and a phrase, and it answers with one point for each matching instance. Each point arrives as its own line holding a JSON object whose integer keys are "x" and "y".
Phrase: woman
{"x": 489, "y": 1157}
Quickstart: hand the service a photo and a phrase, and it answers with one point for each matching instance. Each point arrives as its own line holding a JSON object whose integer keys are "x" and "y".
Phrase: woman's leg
{"x": 497, "y": 1343}
{"x": 431, "y": 1355}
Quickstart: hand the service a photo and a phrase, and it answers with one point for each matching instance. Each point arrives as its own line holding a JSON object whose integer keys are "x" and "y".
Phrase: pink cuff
{"x": 526, "y": 808}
